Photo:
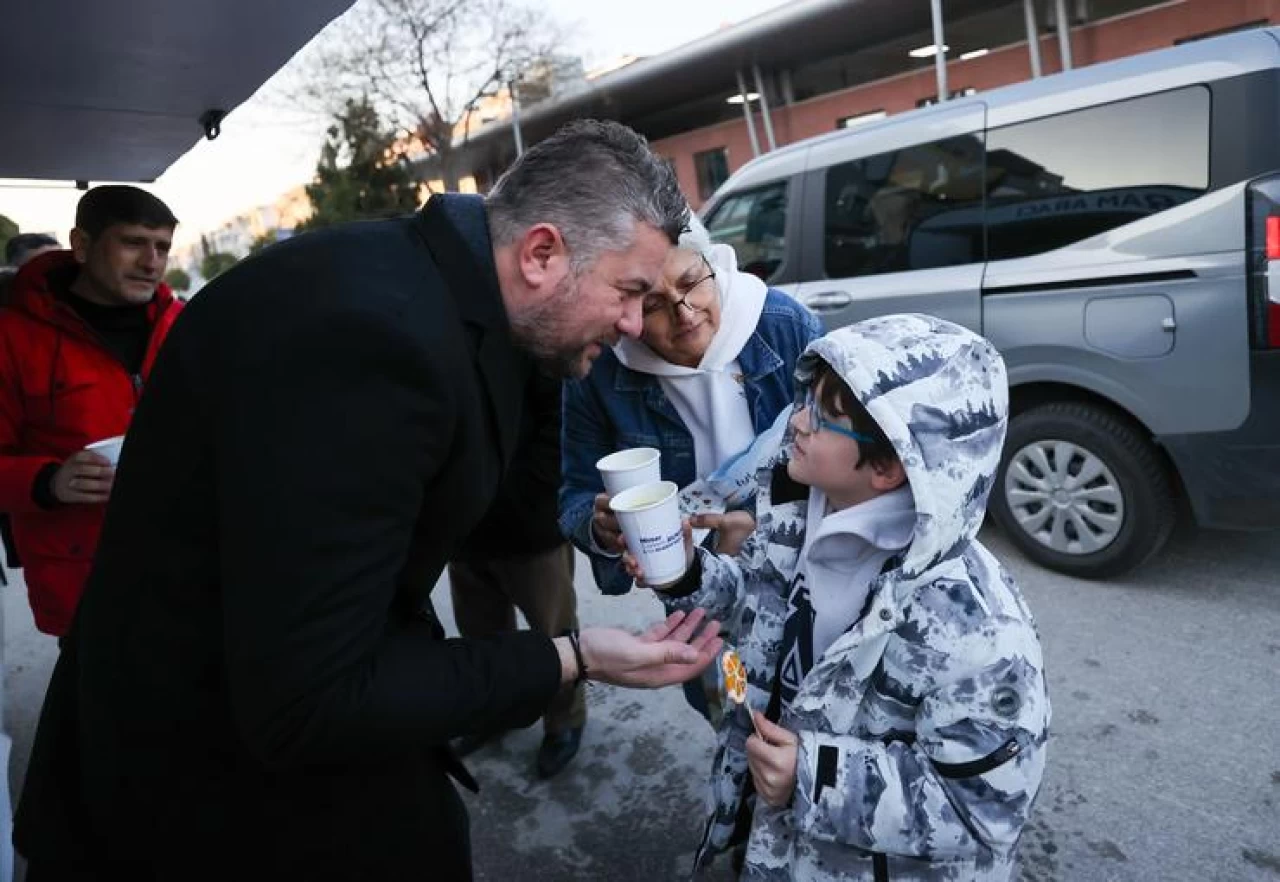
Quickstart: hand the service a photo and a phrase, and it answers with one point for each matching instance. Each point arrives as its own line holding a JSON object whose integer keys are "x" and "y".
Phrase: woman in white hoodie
{"x": 713, "y": 368}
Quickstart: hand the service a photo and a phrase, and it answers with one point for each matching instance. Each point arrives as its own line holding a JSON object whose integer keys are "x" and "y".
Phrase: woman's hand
{"x": 604, "y": 526}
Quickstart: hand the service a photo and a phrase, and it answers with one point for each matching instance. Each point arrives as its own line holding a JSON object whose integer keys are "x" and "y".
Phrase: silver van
{"x": 1115, "y": 231}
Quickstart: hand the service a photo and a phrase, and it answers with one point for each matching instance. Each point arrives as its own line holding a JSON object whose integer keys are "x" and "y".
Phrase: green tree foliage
{"x": 178, "y": 279}
{"x": 360, "y": 176}
{"x": 8, "y": 229}
{"x": 267, "y": 238}
{"x": 216, "y": 263}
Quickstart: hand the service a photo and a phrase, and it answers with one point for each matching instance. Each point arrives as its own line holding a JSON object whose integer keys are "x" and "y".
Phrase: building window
{"x": 860, "y": 119}
{"x": 755, "y": 224}
{"x": 1056, "y": 181}
{"x": 915, "y": 208}
{"x": 713, "y": 170}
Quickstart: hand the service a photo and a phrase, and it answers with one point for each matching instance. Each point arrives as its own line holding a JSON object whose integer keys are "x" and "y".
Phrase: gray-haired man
{"x": 256, "y": 685}
{"x": 24, "y": 246}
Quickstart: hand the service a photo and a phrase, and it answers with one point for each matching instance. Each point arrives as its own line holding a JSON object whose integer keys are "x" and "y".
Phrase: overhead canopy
{"x": 113, "y": 90}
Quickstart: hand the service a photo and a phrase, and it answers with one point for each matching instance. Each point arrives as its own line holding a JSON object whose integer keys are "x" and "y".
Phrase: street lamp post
{"x": 1064, "y": 33}
{"x": 1033, "y": 36}
{"x": 515, "y": 116}
{"x": 939, "y": 44}
{"x": 746, "y": 114}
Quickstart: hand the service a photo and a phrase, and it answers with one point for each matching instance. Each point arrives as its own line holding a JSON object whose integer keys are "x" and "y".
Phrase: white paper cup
{"x": 650, "y": 520}
{"x": 630, "y": 468}
{"x": 108, "y": 447}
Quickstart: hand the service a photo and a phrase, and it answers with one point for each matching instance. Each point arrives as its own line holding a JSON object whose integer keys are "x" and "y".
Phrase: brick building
{"x": 810, "y": 67}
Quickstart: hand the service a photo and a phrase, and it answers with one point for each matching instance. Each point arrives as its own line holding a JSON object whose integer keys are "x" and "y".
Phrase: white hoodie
{"x": 710, "y": 398}
{"x": 846, "y": 552}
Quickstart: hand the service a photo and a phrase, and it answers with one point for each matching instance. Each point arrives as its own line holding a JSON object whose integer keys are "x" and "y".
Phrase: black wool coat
{"x": 256, "y": 685}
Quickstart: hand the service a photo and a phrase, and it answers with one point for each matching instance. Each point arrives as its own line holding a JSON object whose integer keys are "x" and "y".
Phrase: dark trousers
{"x": 487, "y": 593}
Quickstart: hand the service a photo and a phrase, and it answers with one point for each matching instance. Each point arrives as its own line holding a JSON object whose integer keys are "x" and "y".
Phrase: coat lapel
{"x": 457, "y": 234}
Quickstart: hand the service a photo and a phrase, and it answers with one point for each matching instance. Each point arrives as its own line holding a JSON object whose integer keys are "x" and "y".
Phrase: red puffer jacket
{"x": 60, "y": 390}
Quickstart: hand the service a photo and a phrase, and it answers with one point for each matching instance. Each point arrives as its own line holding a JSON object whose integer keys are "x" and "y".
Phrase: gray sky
{"x": 264, "y": 150}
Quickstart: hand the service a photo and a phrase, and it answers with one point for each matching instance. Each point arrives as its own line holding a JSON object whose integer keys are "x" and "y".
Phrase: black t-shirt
{"x": 124, "y": 330}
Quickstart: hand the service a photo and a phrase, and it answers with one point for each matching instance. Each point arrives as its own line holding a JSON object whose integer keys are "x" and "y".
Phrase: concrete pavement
{"x": 1164, "y": 763}
{"x": 633, "y": 795}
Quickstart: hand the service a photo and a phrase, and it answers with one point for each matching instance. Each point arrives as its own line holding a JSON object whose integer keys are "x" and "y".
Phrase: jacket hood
{"x": 940, "y": 394}
{"x": 34, "y": 285}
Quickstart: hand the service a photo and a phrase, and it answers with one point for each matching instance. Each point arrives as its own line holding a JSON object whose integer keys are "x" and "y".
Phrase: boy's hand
{"x": 732, "y": 529}
{"x": 773, "y": 761}
{"x": 633, "y": 568}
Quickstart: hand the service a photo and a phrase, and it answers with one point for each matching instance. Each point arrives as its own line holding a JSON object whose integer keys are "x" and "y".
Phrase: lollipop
{"x": 735, "y": 676}
{"x": 735, "y": 682}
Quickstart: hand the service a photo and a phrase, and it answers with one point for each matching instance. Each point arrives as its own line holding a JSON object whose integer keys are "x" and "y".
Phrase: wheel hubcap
{"x": 1064, "y": 497}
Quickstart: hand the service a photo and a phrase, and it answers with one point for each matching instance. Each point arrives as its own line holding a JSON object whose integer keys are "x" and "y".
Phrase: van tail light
{"x": 1273, "y": 237}
{"x": 1262, "y": 243}
{"x": 1272, "y": 304}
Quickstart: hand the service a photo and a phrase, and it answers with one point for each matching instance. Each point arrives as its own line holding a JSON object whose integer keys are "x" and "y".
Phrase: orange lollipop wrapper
{"x": 735, "y": 683}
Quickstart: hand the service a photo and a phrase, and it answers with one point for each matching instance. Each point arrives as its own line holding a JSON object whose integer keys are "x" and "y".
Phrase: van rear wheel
{"x": 1081, "y": 491}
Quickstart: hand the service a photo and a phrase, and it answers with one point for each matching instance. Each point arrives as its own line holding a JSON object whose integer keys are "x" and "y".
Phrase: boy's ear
{"x": 889, "y": 476}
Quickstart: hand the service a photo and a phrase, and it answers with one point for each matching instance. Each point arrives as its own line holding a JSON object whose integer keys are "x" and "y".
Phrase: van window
{"x": 1055, "y": 181}
{"x": 915, "y": 208}
{"x": 754, "y": 222}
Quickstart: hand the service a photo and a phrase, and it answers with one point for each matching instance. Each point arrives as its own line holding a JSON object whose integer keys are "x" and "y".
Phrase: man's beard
{"x": 541, "y": 329}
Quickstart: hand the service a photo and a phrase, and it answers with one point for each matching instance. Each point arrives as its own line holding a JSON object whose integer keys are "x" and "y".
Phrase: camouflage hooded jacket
{"x": 922, "y": 729}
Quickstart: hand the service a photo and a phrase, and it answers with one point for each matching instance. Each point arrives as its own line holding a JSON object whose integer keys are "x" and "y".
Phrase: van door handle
{"x": 828, "y": 300}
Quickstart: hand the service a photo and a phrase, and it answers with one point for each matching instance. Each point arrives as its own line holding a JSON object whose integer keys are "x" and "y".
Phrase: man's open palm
{"x": 672, "y": 651}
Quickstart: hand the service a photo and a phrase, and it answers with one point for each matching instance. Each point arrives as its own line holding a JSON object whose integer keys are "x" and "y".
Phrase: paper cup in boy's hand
{"x": 109, "y": 449}
{"x": 651, "y": 525}
{"x": 629, "y": 468}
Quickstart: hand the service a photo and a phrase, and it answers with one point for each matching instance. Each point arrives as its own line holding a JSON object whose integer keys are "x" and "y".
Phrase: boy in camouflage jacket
{"x": 893, "y": 667}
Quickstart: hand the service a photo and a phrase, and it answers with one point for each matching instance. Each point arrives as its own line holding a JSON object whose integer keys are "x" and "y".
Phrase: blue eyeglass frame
{"x": 817, "y": 422}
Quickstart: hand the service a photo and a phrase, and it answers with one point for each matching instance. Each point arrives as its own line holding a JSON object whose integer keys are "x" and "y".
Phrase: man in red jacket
{"x": 77, "y": 340}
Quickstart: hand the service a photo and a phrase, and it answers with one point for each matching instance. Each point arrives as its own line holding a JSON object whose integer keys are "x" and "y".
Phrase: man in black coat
{"x": 256, "y": 686}
{"x": 517, "y": 558}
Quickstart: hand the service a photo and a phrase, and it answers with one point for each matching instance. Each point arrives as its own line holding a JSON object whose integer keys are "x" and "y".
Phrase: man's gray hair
{"x": 593, "y": 181}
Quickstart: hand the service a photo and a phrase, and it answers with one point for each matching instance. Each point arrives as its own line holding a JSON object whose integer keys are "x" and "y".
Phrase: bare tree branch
{"x": 428, "y": 65}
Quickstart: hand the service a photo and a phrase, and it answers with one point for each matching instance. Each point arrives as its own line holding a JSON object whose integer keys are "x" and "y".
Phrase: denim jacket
{"x": 614, "y": 408}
